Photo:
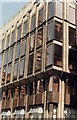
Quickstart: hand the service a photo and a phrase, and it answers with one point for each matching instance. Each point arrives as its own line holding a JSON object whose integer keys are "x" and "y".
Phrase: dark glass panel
{"x": 40, "y": 16}
{"x": 32, "y": 41}
{"x": 25, "y": 27}
{"x": 30, "y": 64}
{"x": 15, "y": 70}
{"x": 7, "y": 41}
{"x": 40, "y": 37}
{"x": 21, "y": 71}
{"x": 23, "y": 47}
{"x": 13, "y": 37}
{"x": 17, "y": 50}
{"x": 8, "y": 73}
{"x": 33, "y": 22}
{"x": 19, "y": 32}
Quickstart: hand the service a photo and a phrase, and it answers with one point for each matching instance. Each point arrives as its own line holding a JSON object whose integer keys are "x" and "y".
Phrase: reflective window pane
{"x": 30, "y": 64}
{"x": 21, "y": 71}
{"x": 59, "y": 31}
{"x": 25, "y": 27}
{"x": 7, "y": 41}
{"x": 19, "y": 32}
{"x": 33, "y": 22}
{"x": 15, "y": 70}
{"x": 3, "y": 44}
{"x": 9, "y": 73}
{"x": 13, "y": 37}
{"x": 23, "y": 47}
{"x": 51, "y": 9}
{"x": 59, "y": 9}
{"x": 72, "y": 36}
{"x": 58, "y": 55}
{"x": 3, "y": 75}
{"x": 38, "y": 61}
{"x": 40, "y": 17}
{"x": 6, "y": 57}
{"x": 49, "y": 55}
{"x": 50, "y": 33}
{"x": 32, "y": 41}
{"x": 11, "y": 54}
{"x": 72, "y": 15}
{"x": 0, "y": 60}
{"x": 17, "y": 50}
{"x": 40, "y": 37}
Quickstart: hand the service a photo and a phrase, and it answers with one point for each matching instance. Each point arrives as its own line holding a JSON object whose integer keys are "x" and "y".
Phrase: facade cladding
{"x": 39, "y": 62}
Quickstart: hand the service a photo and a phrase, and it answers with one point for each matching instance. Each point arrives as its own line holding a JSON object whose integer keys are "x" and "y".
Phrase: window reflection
{"x": 72, "y": 14}
{"x": 30, "y": 64}
{"x": 59, "y": 9}
{"x": 32, "y": 41}
{"x": 51, "y": 11}
{"x": 58, "y": 55}
{"x": 40, "y": 17}
{"x": 3, "y": 44}
{"x": 49, "y": 55}
{"x": 9, "y": 73}
{"x": 72, "y": 60}
{"x": 23, "y": 47}
{"x": 59, "y": 31}
{"x": 17, "y": 50}
{"x": 72, "y": 36}
{"x": 15, "y": 70}
{"x": 7, "y": 41}
{"x": 11, "y": 54}
{"x": 21, "y": 70}
{"x": 13, "y": 37}
{"x": 6, "y": 57}
{"x": 38, "y": 61}
{"x": 25, "y": 28}
{"x": 3, "y": 75}
{"x": 19, "y": 32}
{"x": 33, "y": 22}
{"x": 40, "y": 37}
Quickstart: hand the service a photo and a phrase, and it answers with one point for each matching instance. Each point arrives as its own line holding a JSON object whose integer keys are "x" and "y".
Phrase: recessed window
{"x": 72, "y": 15}
{"x": 3, "y": 75}
{"x": 57, "y": 55}
{"x": 59, "y": 31}
{"x": 19, "y": 32}
{"x": 7, "y": 41}
{"x": 49, "y": 55}
{"x": 8, "y": 73}
{"x": 32, "y": 41}
{"x": 55, "y": 84}
{"x": 6, "y": 57}
{"x": 40, "y": 17}
{"x": 31, "y": 88}
{"x": 21, "y": 70}
{"x": 33, "y": 22}
{"x": 17, "y": 50}
{"x": 72, "y": 60}
{"x": 59, "y": 9}
{"x": 23, "y": 47}
{"x": 40, "y": 37}
{"x": 15, "y": 70}
{"x": 51, "y": 9}
{"x": 3, "y": 44}
{"x": 38, "y": 61}
{"x": 13, "y": 37}
{"x": 30, "y": 64}
{"x": 50, "y": 33}
{"x": 25, "y": 27}
{"x": 72, "y": 36}
{"x": 11, "y": 54}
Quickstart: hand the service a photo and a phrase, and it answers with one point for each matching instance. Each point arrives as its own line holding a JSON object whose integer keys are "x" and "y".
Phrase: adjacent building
{"x": 39, "y": 62}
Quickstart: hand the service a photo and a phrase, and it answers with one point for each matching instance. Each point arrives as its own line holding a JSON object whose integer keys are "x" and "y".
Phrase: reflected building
{"x": 39, "y": 68}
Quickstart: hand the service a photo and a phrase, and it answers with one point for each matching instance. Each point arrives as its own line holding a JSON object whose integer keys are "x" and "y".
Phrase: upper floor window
{"x": 3, "y": 75}
{"x": 23, "y": 47}
{"x": 9, "y": 73}
{"x": 59, "y": 8}
{"x": 7, "y": 41}
{"x": 13, "y": 37}
{"x": 6, "y": 57}
{"x": 72, "y": 15}
{"x": 40, "y": 37}
{"x": 40, "y": 16}
{"x": 51, "y": 9}
{"x": 15, "y": 73}
{"x": 32, "y": 41}
{"x": 21, "y": 68}
{"x": 30, "y": 64}
{"x": 58, "y": 31}
{"x": 25, "y": 28}
{"x": 17, "y": 50}
{"x": 72, "y": 36}
{"x": 0, "y": 60}
{"x": 11, "y": 54}
{"x": 33, "y": 22}
{"x": 19, "y": 32}
{"x": 3, "y": 44}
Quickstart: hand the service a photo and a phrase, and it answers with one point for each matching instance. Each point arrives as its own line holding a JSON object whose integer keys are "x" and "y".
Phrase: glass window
{"x": 32, "y": 41}
{"x": 33, "y": 22}
{"x": 0, "y": 60}
{"x": 50, "y": 34}
{"x": 7, "y": 41}
{"x": 31, "y": 88}
{"x": 19, "y": 32}
{"x": 23, "y": 47}
{"x": 3, "y": 75}
{"x": 72, "y": 59}
{"x": 49, "y": 55}
{"x": 13, "y": 37}
{"x": 55, "y": 84}
{"x": 72, "y": 36}
{"x": 59, "y": 9}
{"x": 11, "y": 54}
{"x": 38, "y": 60}
{"x": 40, "y": 37}
{"x": 58, "y": 55}
{"x": 30, "y": 64}
{"x": 15, "y": 70}
{"x": 3, "y": 44}
{"x": 72, "y": 15}
{"x": 40, "y": 16}
{"x": 51, "y": 9}
{"x": 9, "y": 73}
{"x": 6, "y": 57}
{"x": 25, "y": 27}
{"x": 17, "y": 50}
{"x": 58, "y": 31}
{"x": 21, "y": 71}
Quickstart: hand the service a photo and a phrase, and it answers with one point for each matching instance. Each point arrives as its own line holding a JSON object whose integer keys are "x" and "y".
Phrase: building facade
{"x": 39, "y": 62}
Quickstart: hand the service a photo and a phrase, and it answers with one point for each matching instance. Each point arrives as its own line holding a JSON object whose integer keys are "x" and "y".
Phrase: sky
{"x": 8, "y": 8}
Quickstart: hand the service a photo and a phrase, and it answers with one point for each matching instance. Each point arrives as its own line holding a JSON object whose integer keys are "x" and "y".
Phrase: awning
{"x": 36, "y": 110}
{"x": 8, "y": 113}
{"x": 19, "y": 112}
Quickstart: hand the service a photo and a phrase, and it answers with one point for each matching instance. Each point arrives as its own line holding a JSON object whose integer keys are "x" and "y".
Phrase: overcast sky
{"x": 8, "y": 8}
